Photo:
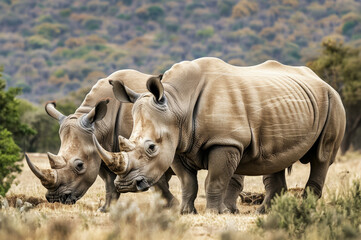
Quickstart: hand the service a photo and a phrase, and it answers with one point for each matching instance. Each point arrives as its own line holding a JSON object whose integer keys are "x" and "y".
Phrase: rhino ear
{"x": 155, "y": 86}
{"x": 100, "y": 110}
{"x": 96, "y": 114}
{"x": 122, "y": 93}
{"x": 53, "y": 112}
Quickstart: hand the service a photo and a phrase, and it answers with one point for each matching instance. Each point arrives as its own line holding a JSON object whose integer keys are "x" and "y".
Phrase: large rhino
{"x": 256, "y": 120}
{"x": 76, "y": 166}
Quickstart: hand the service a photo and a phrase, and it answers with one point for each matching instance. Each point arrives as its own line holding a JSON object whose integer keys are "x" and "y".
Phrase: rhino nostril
{"x": 142, "y": 185}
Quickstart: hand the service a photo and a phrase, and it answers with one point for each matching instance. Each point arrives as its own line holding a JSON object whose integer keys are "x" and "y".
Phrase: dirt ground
{"x": 200, "y": 226}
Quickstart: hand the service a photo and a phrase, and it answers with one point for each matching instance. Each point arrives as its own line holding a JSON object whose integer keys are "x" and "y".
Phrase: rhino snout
{"x": 134, "y": 185}
{"x": 142, "y": 185}
{"x": 68, "y": 198}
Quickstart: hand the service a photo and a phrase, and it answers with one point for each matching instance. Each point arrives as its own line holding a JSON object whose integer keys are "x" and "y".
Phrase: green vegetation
{"x": 10, "y": 128}
{"x": 295, "y": 218}
{"x": 37, "y": 38}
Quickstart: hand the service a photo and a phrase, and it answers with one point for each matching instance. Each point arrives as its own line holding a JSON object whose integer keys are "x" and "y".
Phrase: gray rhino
{"x": 76, "y": 166}
{"x": 256, "y": 120}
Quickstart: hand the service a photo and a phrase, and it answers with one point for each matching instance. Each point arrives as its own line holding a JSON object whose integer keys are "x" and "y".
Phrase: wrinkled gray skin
{"x": 255, "y": 120}
{"x": 77, "y": 164}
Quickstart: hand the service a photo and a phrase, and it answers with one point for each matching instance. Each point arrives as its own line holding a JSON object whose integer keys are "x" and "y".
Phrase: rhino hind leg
{"x": 234, "y": 188}
{"x": 323, "y": 152}
{"x": 274, "y": 184}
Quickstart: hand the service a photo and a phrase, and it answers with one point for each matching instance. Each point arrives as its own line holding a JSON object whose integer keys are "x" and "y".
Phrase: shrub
{"x": 311, "y": 219}
{"x": 93, "y": 24}
{"x": 10, "y": 126}
{"x": 50, "y": 30}
{"x": 206, "y": 32}
{"x": 244, "y": 9}
{"x": 10, "y": 157}
{"x": 155, "y": 12}
{"x": 155, "y": 222}
{"x": 37, "y": 41}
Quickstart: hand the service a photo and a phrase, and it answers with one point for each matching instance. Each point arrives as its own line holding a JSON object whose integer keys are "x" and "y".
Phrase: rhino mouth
{"x": 67, "y": 198}
{"x": 139, "y": 184}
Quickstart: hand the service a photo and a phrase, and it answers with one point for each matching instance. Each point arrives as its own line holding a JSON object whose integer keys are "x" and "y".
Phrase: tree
{"x": 339, "y": 65}
{"x": 9, "y": 160}
{"x": 10, "y": 126}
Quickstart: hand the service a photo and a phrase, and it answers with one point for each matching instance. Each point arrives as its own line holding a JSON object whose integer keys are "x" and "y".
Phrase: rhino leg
{"x": 234, "y": 188}
{"x": 189, "y": 184}
{"x": 274, "y": 184}
{"x": 163, "y": 186}
{"x": 111, "y": 193}
{"x": 317, "y": 178}
{"x": 324, "y": 151}
{"x": 222, "y": 162}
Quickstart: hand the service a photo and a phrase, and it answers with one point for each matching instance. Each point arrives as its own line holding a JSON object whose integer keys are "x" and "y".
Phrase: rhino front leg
{"x": 189, "y": 184}
{"x": 163, "y": 187}
{"x": 111, "y": 193}
{"x": 274, "y": 184}
{"x": 222, "y": 162}
{"x": 234, "y": 188}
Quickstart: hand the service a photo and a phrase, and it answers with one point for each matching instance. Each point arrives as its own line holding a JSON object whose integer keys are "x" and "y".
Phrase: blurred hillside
{"x": 50, "y": 48}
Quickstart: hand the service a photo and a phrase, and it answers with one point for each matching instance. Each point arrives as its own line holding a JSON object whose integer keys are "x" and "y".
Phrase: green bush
{"x": 10, "y": 127}
{"x": 93, "y": 24}
{"x": 10, "y": 157}
{"x": 311, "y": 219}
{"x": 50, "y": 30}
{"x": 155, "y": 12}
{"x": 206, "y": 32}
{"x": 37, "y": 41}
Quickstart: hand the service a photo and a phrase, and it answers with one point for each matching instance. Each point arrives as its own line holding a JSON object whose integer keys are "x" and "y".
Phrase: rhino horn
{"x": 48, "y": 177}
{"x": 96, "y": 114}
{"x": 125, "y": 144}
{"x": 116, "y": 162}
{"x": 56, "y": 162}
{"x": 53, "y": 112}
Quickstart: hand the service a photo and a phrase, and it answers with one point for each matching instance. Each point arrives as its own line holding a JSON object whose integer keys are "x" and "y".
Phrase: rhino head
{"x": 150, "y": 150}
{"x": 75, "y": 168}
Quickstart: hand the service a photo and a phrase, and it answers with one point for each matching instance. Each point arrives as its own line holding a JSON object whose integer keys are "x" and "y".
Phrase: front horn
{"x": 116, "y": 162}
{"x": 48, "y": 177}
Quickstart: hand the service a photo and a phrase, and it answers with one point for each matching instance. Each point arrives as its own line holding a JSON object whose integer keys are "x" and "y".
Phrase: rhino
{"x": 256, "y": 120}
{"x": 77, "y": 164}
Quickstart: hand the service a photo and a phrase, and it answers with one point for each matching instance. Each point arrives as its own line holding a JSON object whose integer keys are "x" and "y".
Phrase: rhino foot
{"x": 188, "y": 210}
{"x": 233, "y": 210}
{"x": 218, "y": 211}
{"x": 172, "y": 203}
{"x": 261, "y": 210}
{"x": 103, "y": 209}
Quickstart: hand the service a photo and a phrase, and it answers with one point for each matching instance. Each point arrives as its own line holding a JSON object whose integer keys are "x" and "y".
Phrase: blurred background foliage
{"x": 56, "y": 50}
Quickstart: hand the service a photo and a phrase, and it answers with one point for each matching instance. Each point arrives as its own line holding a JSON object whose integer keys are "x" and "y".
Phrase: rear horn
{"x": 53, "y": 112}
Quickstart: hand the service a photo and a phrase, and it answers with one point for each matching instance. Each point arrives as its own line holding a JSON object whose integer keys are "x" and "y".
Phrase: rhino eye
{"x": 79, "y": 166}
{"x": 150, "y": 148}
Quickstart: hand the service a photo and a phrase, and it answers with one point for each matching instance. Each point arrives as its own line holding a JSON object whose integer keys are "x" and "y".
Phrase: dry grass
{"x": 140, "y": 216}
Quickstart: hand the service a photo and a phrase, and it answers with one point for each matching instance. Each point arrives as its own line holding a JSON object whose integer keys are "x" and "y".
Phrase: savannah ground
{"x": 140, "y": 215}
